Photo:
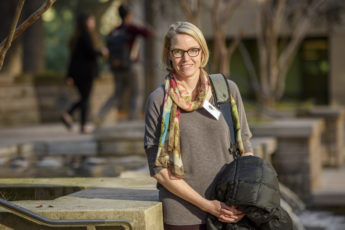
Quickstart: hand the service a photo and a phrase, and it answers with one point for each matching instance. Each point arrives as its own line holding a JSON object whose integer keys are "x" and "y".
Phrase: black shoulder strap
{"x": 221, "y": 95}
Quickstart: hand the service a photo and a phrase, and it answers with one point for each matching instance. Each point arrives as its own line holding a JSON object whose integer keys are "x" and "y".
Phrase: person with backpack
{"x": 187, "y": 137}
{"x": 123, "y": 60}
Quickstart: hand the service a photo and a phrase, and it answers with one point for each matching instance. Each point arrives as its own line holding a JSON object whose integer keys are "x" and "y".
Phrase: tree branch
{"x": 191, "y": 12}
{"x": 251, "y": 69}
{"x": 278, "y": 15}
{"x": 30, "y": 20}
{"x": 9, "y": 40}
{"x": 232, "y": 47}
{"x": 228, "y": 11}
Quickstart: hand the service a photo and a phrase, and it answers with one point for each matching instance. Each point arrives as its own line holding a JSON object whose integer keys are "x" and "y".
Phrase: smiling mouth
{"x": 187, "y": 66}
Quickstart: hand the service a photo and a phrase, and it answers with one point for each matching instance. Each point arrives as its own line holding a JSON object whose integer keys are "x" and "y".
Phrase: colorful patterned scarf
{"x": 176, "y": 98}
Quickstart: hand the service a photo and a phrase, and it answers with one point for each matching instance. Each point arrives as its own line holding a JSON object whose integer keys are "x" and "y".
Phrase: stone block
{"x": 134, "y": 199}
{"x": 26, "y": 150}
{"x": 293, "y": 145}
{"x": 88, "y": 147}
{"x": 118, "y": 148}
{"x": 287, "y": 128}
{"x": 333, "y": 134}
{"x": 264, "y": 147}
{"x": 8, "y": 151}
{"x": 297, "y": 159}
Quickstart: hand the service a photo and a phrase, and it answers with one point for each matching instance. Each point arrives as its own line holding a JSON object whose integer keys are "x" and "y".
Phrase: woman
{"x": 83, "y": 67}
{"x": 185, "y": 145}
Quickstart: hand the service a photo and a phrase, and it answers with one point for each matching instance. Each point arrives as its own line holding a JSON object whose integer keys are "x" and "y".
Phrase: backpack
{"x": 117, "y": 43}
{"x": 221, "y": 91}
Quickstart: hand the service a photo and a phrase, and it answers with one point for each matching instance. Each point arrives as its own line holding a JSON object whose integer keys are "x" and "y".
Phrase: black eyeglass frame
{"x": 185, "y": 51}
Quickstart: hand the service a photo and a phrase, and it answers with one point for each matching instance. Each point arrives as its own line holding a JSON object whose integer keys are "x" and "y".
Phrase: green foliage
{"x": 58, "y": 29}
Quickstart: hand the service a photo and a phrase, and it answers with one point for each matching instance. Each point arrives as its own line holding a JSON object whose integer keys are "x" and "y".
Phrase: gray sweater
{"x": 204, "y": 149}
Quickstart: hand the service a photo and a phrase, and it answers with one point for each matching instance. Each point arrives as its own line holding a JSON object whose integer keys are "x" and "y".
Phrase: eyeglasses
{"x": 192, "y": 52}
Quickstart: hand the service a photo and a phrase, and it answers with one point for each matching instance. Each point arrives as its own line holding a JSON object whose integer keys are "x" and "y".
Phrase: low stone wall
{"x": 18, "y": 105}
{"x": 298, "y": 156}
{"x": 110, "y": 150}
{"x": 134, "y": 199}
{"x": 31, "y": 102}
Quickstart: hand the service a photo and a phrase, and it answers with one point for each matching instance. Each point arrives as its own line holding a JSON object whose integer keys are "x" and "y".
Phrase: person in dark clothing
{"x": 129, "y": 78}
{"x": 83, "y": 67}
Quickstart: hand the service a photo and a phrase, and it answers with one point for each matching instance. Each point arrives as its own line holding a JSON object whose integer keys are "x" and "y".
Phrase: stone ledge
{"x": 67, "y": 147}
{"x": 323, "y": 111}
{"x": 132, "y": 130}
{"x": 85, "y": 183}
{"x": 135, "y": 199}
{"x": 328, "y": 199}
{"x": 264, "y": 147}
{"x": 288, "y": 128}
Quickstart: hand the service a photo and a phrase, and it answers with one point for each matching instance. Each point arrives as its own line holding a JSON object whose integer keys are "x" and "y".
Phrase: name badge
{"x": 211, "y": 109}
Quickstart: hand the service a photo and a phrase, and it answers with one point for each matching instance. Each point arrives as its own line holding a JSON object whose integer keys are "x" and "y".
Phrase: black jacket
{"x": 251, "y": 184}
{"x": 83, "y": 65}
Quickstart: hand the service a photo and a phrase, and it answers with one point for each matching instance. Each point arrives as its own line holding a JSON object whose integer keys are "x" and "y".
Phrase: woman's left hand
{"x": 229, "y": 214}
{"x": 247, "y": 154}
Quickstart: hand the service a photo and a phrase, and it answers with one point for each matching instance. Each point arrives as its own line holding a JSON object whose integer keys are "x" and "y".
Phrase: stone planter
{"x": 333, "y": 135}
{"x": 298, "y": 156}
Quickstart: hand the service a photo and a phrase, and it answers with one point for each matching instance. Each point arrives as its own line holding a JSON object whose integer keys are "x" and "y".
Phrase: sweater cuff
{"x": 151, "y": 153}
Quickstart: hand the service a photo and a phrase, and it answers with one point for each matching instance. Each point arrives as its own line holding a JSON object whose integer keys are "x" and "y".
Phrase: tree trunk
{"x": 150, "y": 49}
{"x": 33, "y": 41}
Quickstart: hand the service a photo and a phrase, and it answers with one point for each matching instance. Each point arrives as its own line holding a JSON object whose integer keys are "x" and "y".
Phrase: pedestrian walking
{"x": 124, "y": 62}
{"x": 186, "y": 138}
{"x": 83, "y": 67}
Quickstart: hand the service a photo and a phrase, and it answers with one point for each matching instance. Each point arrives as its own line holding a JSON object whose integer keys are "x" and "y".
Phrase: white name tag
{"x": 211, "y": 109}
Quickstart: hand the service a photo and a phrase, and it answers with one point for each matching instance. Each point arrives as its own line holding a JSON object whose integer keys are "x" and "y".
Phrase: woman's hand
{"x": 229, "y": 214}
{"x": 247, "y": 154}
{"x": 180, "y": 188}
{"x": 224, "y": 213}
{"x": 213, "y": 207}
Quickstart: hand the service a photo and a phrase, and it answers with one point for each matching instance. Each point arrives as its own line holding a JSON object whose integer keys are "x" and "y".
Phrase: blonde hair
{"x": 188, "y": 29}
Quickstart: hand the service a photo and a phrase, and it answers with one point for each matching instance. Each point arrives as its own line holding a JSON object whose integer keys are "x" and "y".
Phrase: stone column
{"x": 298, "y": 156}
{"x": 333, "y": 135}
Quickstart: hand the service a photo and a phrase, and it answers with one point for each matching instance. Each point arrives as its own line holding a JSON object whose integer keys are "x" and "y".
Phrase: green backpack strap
{"x": 220, "y": 88}
{"x": 221, "y": 91}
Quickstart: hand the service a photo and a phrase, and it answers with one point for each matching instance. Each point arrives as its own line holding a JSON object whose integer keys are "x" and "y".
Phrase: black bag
{"x": 119, "y": 49}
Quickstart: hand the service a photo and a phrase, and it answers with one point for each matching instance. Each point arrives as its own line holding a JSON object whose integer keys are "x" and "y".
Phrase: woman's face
{"x": 185, "y": 66}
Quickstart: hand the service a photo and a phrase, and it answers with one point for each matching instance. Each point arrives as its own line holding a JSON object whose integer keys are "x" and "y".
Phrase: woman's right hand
{"x": 224, "y": 213}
